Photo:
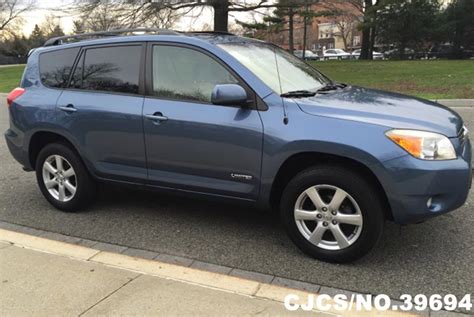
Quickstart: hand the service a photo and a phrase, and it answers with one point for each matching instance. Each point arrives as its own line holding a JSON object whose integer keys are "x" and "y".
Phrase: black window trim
{"x": 141, "y": 75}
{"x": 78, "y": 53}
{"x": 255, "y": 102}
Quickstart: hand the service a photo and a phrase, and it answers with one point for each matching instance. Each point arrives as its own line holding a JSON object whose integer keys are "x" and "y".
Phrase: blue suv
{"x": 218, "y": 115}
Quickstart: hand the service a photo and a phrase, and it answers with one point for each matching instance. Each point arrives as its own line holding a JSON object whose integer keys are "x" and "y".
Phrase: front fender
{"x": 361, "y": 142}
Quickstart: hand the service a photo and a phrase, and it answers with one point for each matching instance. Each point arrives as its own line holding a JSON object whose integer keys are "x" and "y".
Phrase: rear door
{"x": 102, "y": 110}
{"x": 197, "y": 145}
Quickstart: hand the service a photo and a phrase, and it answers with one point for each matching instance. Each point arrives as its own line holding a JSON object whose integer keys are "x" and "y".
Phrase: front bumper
{"x": 418, "y": 190}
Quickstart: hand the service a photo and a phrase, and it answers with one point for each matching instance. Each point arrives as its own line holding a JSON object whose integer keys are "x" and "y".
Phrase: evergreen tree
{"x": 459, "y": 25}
{"x": 406, "y": 23}
{"x": 57, "y": 31}
{"x": 37, "y": 37}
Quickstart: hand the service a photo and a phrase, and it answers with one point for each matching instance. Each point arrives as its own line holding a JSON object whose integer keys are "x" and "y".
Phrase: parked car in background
{"x": 223, "y": 116}
{"x": 336, "y": 53}
{"x": 308, "y": 55}
{"x": 375, "y": 55}
{"x": 449, "y": 51}
{"x": 395, "y": 54}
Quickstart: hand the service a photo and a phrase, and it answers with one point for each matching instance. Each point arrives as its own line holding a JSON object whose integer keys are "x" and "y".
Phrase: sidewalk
{"x": 38, "y": 283}
{"x": 44, "y": 277}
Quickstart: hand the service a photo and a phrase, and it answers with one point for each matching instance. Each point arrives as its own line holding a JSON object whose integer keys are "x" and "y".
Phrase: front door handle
{"x": 157, "y": 116}
{"x": 68, "y": 108}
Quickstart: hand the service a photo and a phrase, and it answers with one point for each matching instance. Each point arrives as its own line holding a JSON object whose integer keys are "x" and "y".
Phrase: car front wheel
{"x": 332, "y": 213}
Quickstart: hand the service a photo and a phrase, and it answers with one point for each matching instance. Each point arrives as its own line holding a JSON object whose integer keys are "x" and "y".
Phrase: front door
{"x": 192, "y": 144}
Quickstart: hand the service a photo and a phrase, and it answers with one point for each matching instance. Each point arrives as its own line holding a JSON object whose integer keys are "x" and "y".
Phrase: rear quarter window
{"x": 55, "y": 67}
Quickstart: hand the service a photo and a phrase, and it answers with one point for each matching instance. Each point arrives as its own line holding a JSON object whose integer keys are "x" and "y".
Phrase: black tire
{"x": 363, "y": 192}
{"x": 85, "y": 185}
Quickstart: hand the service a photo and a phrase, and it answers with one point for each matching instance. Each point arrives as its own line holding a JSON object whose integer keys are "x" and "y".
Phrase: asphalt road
{"x": 434, "y": 257}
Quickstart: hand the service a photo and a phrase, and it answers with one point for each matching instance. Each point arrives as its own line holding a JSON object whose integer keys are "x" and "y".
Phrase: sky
{"x": 55, "y": 8}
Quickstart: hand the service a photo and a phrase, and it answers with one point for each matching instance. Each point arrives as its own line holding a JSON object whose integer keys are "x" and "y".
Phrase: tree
{"x": 57, "y": 31}
{"x": 459, "y": 25}
{"x": 49, "y": 25}
{"x": 11, "y": 12}
{"x": 345, "y": 15}
{"x": 104, "y": 16}
{"x": 406, "y": 23}
{"x": 368, "y": 10}
{"x": 119, "y": 14}
{"x": 130, "y": 12}
{"x": 78, "y": 27}
{"x": 15, "y": 46}
{"x": 368, "y": 28}
{"x": 37, "y": 37}
{"x": 286, "y": 15}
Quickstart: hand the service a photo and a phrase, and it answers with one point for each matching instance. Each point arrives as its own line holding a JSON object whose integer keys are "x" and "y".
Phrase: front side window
{"x": 184, "y": 73}
{"x": 114, "y": 69}
{"x": 55, "y": 67}
{"x": 278, "y": 69}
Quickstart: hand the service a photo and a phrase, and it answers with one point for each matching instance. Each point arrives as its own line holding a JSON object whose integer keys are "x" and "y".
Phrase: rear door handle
{"x": 157, "y": 116}
{"x": 68, "y": 108}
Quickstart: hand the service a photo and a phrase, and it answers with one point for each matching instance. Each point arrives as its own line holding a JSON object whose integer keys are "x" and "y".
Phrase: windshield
{"x": 280, "y": 70}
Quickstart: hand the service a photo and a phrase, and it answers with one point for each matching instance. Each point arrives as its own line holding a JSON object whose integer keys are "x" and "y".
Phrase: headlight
{"x": 423, "y": 145}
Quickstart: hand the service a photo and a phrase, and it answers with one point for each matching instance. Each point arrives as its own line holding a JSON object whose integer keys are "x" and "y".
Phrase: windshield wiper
{"x": 308, "y": 93}
{"x": 331, "y": 86}
{"x": 298, "y": 94}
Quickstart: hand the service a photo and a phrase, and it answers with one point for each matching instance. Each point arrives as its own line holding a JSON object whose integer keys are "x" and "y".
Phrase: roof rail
{"x": 60, "y": 39}
{"x": 210, "y": 32}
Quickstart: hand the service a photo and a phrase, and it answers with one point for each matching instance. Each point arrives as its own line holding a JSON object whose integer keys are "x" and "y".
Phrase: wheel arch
{"x": 301, "y": 161}
{"x": 42, "y": 138}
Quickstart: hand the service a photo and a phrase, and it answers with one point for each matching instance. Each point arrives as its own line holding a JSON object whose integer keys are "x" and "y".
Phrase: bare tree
{"x": 49, "y": 24}
{"x": 152, "y": 10}
{"x": 113, "y": 14}
{"x": 345, "y": 15}
{"x": 368, "y": 10}
{"x": 11, "y": 12}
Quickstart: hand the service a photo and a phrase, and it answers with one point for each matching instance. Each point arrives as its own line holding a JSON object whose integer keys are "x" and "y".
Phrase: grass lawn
{"x": 10, "y": 77}
{"x": 428, "y": 79}
{"x": 435, "y": 79}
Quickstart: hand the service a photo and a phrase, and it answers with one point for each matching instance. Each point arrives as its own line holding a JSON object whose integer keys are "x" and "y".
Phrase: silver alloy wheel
{"x": 328, "y": 217}
{"x": 59, "y": 178}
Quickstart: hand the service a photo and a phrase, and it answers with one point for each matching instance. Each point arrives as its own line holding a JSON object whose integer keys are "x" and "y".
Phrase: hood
{"x": 383, "y": 108}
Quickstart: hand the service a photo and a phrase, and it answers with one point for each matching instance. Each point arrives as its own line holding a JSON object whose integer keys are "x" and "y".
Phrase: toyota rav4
{"x": 219, "y": 115}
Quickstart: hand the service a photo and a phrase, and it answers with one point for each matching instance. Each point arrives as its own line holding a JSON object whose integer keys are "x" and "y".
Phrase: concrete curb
{"x": 11, "y": 65}
{"x": 174, "y": 272}
{"x": 456, "y": 103}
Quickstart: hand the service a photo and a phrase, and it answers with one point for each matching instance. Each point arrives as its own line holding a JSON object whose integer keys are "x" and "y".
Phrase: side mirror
{"x": 229, "y": 95}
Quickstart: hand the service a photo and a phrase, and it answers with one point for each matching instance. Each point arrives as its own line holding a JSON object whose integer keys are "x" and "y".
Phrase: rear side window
{"x": 114, "y": 69}
{"x": 55, "y": 67}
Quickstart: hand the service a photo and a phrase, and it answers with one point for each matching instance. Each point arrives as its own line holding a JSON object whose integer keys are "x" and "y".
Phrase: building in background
{"x": 338, "y": 30}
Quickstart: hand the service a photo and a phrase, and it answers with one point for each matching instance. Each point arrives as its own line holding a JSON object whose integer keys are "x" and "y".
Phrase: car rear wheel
{"x": 332, "y": 213}
{"x": 63, "y": 179}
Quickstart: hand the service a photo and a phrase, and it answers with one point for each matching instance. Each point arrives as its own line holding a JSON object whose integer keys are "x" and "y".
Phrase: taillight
{"x": 15, "y": 93}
